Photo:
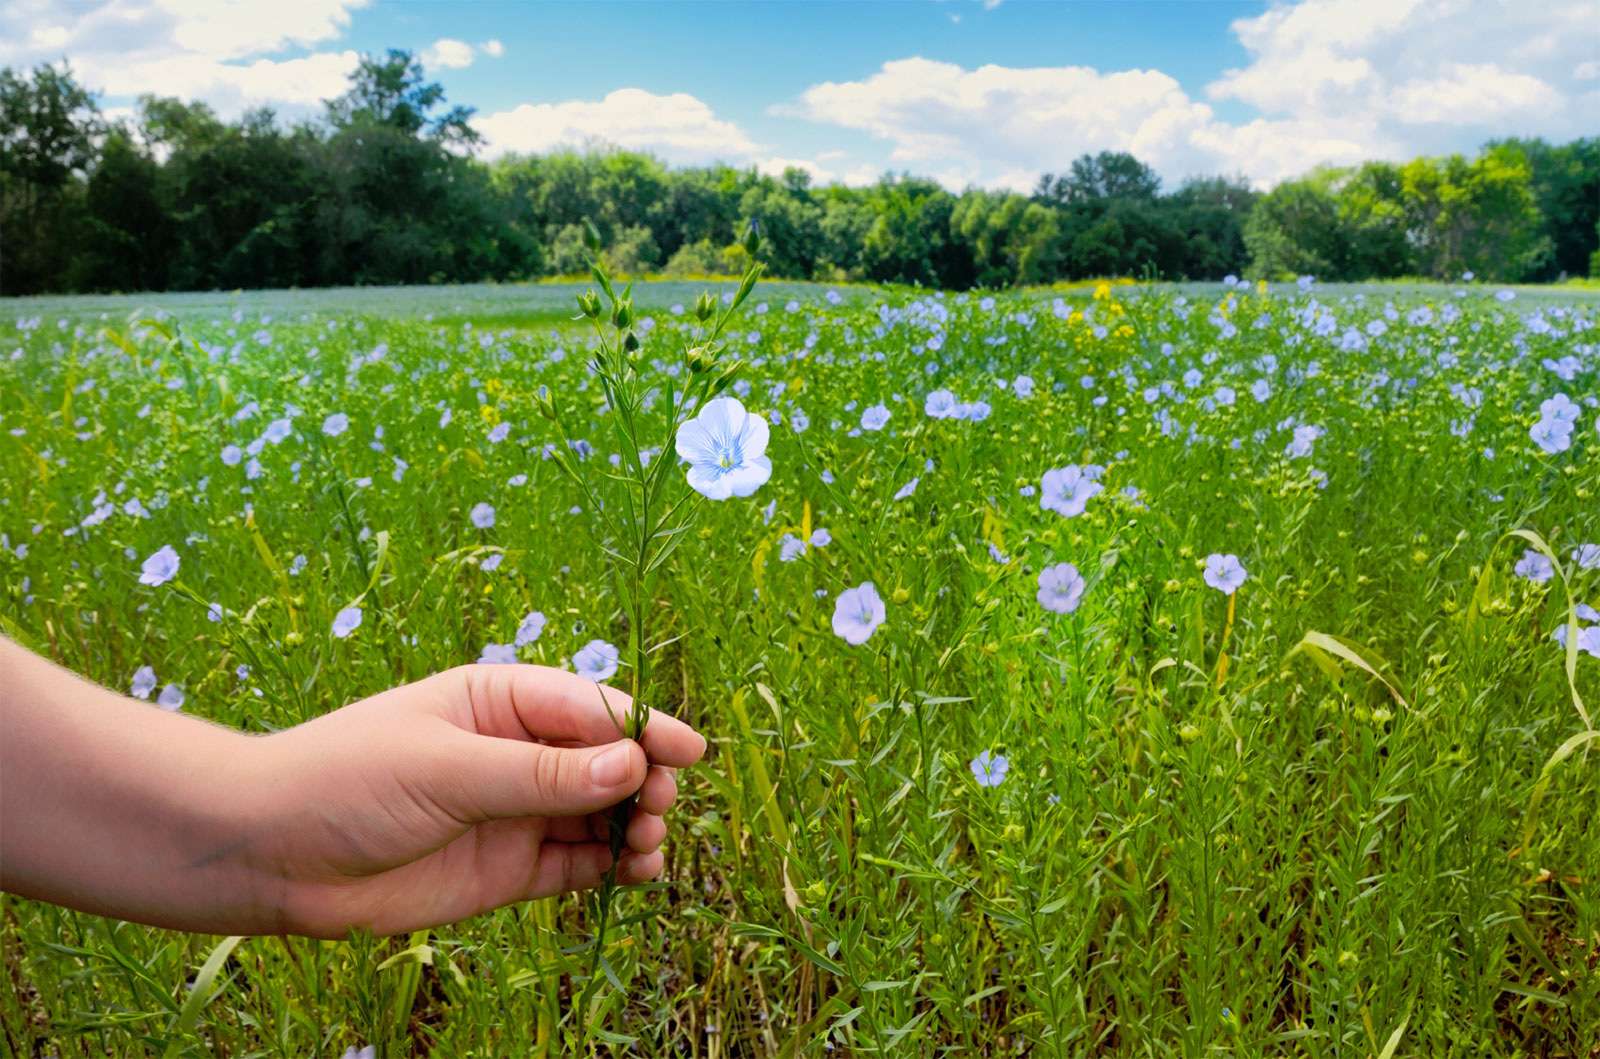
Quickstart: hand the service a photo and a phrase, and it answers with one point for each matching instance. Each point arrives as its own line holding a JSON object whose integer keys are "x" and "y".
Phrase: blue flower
{"x": 1535, "y": 567}
{"x": 596, "y": 661}
{"x": 1225, "y": 573}
{"x": 346, "y": 622}
{"x": 791, "y": 547}
{"x": 160, "y": 567}
{"x": 171, "y": 697}
{"x": 857, "y": 613}
{"x": 1068, "y": 490}
{"x": 874, "y": 418}
{"x": 498, "y": 654}
{"x": 335, "y": 424}
{"x": 1552, "y": 435}
{"x": 725, "y": 448}
{"x": 940, "y": 404}
{"x": 482, "y": 516}
{"x": 990, "y": 769}
{"x": 907, "y": 489}
{"x": 144, "y": 682}
{"x": 1060, "y": 588}
{"x": 531, "y": 629}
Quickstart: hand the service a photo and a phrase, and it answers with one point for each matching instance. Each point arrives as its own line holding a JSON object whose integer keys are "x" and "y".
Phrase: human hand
{"x": 471, "y": 789}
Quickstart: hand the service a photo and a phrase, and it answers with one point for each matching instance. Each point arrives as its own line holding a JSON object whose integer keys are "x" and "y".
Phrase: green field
{"x": 1328, "y": 814}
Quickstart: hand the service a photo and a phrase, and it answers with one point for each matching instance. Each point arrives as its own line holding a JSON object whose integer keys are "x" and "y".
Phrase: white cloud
{"x": 678, "y": 127}
{"x": 854, "y": 176}
{"x": 447, "y": 53}
{"x": 774, "y": 166}
{"x": 493, "y": 48}
{"x": 1430, "y": 74}
{"x": 193, "y": 49}
{"x": 1003, "y": 125}
{"x": 1332, "y": 81}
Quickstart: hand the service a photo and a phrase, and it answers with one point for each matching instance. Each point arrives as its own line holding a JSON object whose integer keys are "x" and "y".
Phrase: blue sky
{"x": 966, "y": 91}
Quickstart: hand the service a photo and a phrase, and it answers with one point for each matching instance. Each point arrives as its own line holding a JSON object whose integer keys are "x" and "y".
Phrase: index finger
{"x": 538, "y": 702}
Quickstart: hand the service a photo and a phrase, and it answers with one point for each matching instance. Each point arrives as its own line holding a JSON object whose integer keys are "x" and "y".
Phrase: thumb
{"x": 494, "y": 778}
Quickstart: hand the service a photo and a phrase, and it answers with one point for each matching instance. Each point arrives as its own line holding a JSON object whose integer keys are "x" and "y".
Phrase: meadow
{"x": 1295, "y": 758}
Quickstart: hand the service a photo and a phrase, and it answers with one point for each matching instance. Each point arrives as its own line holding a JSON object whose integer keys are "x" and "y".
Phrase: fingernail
{"x": 610, "y": 767}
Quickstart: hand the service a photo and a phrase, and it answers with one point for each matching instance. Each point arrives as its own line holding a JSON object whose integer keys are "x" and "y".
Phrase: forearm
{"x": 111, "y": 806}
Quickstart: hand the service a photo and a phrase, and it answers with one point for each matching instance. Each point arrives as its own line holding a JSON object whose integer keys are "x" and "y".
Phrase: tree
{"x": 846, "y": 219}
{"x": 129, "y": 244}
{"x": 1210, "y": 214}
{"x": 1372, "y": 215}
{"x": 909, "y": 241}
{"x": 1010, "y": 240}
{"x": 48, "y": 127}
{"x": 392, "y": 91}
{"x": 1477, "y": 216}
{"x": 1099, "y": 177}
{"x": 1566, "y": 189}
{"x": 790, "y": 224}
{"x": 1294, "y": 230}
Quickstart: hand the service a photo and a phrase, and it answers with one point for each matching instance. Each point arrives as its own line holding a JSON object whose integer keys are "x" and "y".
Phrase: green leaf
{"x": 1322, "y": 649}
{"x": 199, "y": 994}
{"x": 1394, "y": 1038}
{"x": 1564, "y": 751}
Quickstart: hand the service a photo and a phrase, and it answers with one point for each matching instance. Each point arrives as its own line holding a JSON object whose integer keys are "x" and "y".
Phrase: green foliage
{"x": 386, "y": 189}
{"x": 1566, "y": 189}
{"x": 1437, "y": 217}
{"x": 1477, "y": 216}
{"x": 48, "y": 125}
{"x": 1349, "y": 812}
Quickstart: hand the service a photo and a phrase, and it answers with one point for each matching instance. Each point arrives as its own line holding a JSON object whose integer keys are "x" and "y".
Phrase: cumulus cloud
{"x": 447, "y": 53}
{"x": 1333, "y": 81}
{"x": 820, "y": 173}
{"x": 194, "y": 49}
{"x": 493, "y": 48}
{"x": 1000, "y": 124}
{"x": 1436, "y": 74}
{"x": 677, "y": 126}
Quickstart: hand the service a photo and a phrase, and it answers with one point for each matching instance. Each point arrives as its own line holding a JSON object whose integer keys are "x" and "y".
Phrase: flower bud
{"x": 705, "y": 306}
{"x": 622, "y": 314}
{"x": 700, "y": 360}
{"x": 630, "y": 343}
{"x": 726, "y": 378}
{"x": 589, "y": 304}
{"x": 752, "y": 237}
{"x": 591, "y": 237}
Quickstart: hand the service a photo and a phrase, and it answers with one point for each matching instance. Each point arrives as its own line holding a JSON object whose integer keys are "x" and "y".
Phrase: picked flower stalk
{"x": 724, "y": 447}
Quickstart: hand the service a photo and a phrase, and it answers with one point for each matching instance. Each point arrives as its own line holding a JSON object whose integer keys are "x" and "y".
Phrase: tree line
{"x": 385, "y": 188}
